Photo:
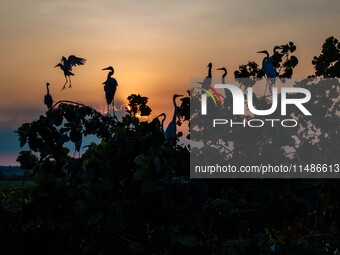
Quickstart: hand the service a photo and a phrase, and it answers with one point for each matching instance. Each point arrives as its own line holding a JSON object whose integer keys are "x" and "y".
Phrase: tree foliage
{"x": 130, "y": 193}
{"x": 282, "y": 60}
{"x": 327, "y": 64}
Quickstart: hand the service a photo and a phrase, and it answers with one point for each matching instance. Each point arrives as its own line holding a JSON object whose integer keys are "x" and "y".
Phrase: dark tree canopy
{"x": 130, "y": 193}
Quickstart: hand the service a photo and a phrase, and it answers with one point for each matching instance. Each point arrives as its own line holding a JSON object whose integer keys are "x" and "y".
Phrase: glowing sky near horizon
{"x": 156, "y": 47}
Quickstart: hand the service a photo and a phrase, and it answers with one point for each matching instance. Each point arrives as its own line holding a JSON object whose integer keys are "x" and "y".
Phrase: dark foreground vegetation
{"x": 131, "y": 193}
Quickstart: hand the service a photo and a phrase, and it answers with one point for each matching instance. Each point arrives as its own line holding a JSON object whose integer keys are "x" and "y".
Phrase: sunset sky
{"x": 156, "y": 47}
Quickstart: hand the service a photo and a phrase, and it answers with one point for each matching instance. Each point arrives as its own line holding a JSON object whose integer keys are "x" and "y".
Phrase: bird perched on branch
{"x": 268, "y": 69}
{"x": 206, "y": 84}
{"x": 171, "y": 130}
{"x": 66, "y": 65}
{"x": 48, "y": 101}
{"x": 276, "y": 58}
{"x": 110, "y": 86}
{"x": 225, "y": 72}
{"x": 160, "y": 123}
{"x": 207, "y": 81}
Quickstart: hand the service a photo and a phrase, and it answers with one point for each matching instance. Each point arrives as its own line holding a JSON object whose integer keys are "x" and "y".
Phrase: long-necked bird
{"x": 171, "y": 130}
{"x": 110, "y": 86}
{"x": 66, "y": 65}
{"x": 162, "y": 122}
{"x": 158, "y": 123}
{"x": 48, "y": 101}
{"x": 268, "y": 69}
{"x": 225, "y": 72}
{"x": 207, "y": 81}
{"x": 206, "y": 84}
{"x": 267, "y": 65}
{"x": 276, "y": 57}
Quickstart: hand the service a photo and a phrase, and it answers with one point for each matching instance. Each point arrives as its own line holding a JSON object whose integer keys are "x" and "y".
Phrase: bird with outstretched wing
{"x": 66, "y": 65}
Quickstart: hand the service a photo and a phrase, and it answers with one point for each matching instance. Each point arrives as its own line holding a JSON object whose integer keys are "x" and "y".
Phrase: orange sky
{"x": 156, "y": 47}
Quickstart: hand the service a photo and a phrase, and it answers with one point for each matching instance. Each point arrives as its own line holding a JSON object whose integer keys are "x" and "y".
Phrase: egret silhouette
{"x": 110, "y": 86}
{"x": 206, "y": 84}
{"x": 66, "y": 65}
{"x": 276, "y": 57}
{"x": 171, "y": 130}
{"x": 162, "y": 122}
{"x": 276, "y": 48}
{"x": 48, "y": 101}
{"x": 224, "y": 74}
{"x": 223, "y": 77}
{"x": 268, "y": 69}
{"x": 207, "y": 81}
{"x": 158, "y": 123}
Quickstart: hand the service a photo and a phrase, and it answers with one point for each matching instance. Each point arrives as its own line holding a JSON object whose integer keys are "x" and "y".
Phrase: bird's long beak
{"x": 262, "y": 51}
{"x": 107, "y": 68}
{"x": 220, "y": 68}
{"x": 56, "y": 65}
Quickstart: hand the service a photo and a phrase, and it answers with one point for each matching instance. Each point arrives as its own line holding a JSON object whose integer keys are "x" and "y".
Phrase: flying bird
{"x": 268, "y": 69}
{"x": 48, "y": 101}
{"x": 171, "y": 130}
{"x": 66, "y": 65}
{"x": 110, "y": 86}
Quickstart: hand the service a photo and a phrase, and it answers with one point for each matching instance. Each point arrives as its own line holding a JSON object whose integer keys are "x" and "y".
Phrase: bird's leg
{"x": 65, "y": 83}
{"x": 265, "y": 90}
{"x": 114, "y": 111}
{"x": 108, "y": 110}
{"x": 70, "y": 86}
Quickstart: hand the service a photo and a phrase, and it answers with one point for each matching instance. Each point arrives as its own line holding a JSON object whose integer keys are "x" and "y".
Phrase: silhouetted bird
{"x": 224, "y": 74}
{"x": 207, "y": 81}
{"x": 110, "y": 86}
{"x": 158, "y": 123}
{"x": 171, "y": 130}
{"x": 276, "y": 57}
{"x": 48, "y": 101}
{"x": 223, "y": 77}
{"x": 268, "y": 69}
{"x": 162, "y": 122}
{"x": 67, "y": 64}
{"x": 267, "y": 66}
{"x": 206, "y": 84}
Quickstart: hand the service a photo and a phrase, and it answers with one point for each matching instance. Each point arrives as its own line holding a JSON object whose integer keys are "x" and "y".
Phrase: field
{"x": 9, "y": 185}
